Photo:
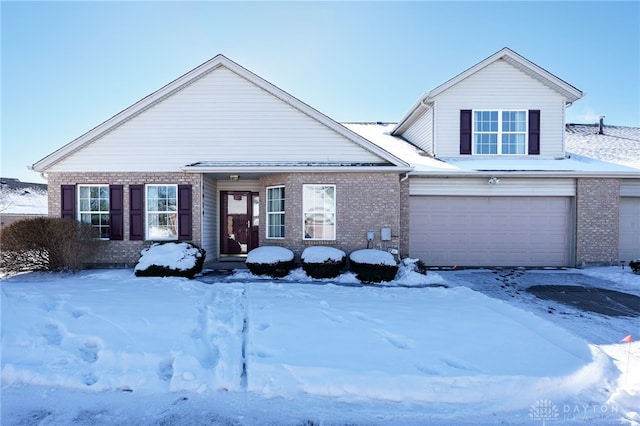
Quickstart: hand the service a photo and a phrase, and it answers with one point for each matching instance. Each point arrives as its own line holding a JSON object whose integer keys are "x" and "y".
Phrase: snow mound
{"x": 162, "y": 259}
{"x": 373, "y": 257}
{"x": 320, "y": 254}
{"x": 269, "y": 255}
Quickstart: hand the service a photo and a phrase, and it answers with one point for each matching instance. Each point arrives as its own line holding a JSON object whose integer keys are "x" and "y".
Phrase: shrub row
{"x": 46, "y": 243}
{"x": 370, "y": 266}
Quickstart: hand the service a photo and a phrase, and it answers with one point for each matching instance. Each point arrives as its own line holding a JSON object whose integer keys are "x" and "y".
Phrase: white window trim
{"x": 79, "y": 211}
{"x": 146, "y": 212}
{"x": 500, "y": 132}
{"x": 335, "y": 198}
{"x": 268, "y": 213}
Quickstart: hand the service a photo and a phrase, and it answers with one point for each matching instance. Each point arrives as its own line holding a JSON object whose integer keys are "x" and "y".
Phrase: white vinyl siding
{"x": 420, "y": 133}
{"x": 210, "y": 240}
{"x": 220, "y": 117}
{"x": 490, "y": 231}
{"x": 480, "y": 186}
{"x": 499, "y": 86}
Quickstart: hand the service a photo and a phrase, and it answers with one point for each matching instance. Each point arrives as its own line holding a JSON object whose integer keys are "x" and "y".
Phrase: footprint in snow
{"x": 89, "y": 351}
{"x": 52, "y": 334}
{"x": 396, "y": 340}
{"x": 165, "y": 370}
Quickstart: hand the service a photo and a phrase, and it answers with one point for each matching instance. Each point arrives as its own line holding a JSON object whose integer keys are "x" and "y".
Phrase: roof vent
{"x": 601, "y": 126}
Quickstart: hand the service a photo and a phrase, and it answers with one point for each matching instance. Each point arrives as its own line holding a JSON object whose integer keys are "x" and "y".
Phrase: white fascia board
{"x": 294, "y": 169}
{"x": 130, "y": 112}
{"x": 571, "y": 93}
{"x": 525, "y": 174}
{"x": 187, "y": 79}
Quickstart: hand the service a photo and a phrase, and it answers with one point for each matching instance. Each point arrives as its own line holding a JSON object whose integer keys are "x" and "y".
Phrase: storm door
{"x": 238, "y": 222}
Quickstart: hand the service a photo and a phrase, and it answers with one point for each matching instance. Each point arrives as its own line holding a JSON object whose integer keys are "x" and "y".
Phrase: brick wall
{"x": 364, "y": 202}
{"x": 125, "y": 253}
{"x": 404, "y": 218}
{"x": 597, "y": 208}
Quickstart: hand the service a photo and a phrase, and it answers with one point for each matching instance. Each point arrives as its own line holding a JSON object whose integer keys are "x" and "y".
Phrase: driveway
{"x": 570, "y": 288}
{"x": 592, "y": 299}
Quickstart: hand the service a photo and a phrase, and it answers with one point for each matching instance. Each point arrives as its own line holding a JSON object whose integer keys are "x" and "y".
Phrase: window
{"x": 162, "y": 212}
{"x": 275, "y": 212}
{"x": 319, "y": 212}
{"x": 499, "y": 132}
{"x": 93, "y": 208}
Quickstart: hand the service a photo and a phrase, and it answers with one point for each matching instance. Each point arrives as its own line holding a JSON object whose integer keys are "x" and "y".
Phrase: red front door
{"x": 238, "y": 222}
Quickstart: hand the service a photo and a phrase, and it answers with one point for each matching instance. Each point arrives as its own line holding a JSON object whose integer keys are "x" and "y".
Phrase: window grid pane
{"x": 499, "y": 132}
{"x": 275, "y": 212}
{"x": 93, "y": 208}
{"x": 162, "y": 207}
{"x": 319, "y": 215}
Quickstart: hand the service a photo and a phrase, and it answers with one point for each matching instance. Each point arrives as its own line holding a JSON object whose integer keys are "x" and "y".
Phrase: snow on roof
{"x": 616, "y": 144}
{"x": 22, "y": 198}
{"x": 379, "y": 133}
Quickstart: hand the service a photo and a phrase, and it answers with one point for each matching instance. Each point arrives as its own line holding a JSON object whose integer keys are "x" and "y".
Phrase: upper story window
{"x": 319, "y": 212}
{"x": 162, "y": 212}
{"x": 93, "y": 208}
{"x": 275, "y": 212}
{"x": 501, "y": 132}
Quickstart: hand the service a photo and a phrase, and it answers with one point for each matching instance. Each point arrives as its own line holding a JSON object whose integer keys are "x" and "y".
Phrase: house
{"x": 475, "y": 174}
{"x": 21, "y": 200}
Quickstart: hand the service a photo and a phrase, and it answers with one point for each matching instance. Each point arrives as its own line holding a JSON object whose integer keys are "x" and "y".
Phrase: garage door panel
{"x": 490, "y": 231}
{"x": 629, "y": 237}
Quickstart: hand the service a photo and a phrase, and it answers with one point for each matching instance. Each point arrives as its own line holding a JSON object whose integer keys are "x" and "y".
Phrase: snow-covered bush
{"x": 373, "y": 266}
{"x": 47, "y": 243}
{"x": 323, "y": 262}
{"x": 170, "y": 259}
{"x": 635, "y": 266}
{"x": 273, "y": 261}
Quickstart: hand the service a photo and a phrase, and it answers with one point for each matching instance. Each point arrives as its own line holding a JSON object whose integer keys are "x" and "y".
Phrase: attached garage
{"x": 500, "y": 229}
{"x": 629, "y": 239}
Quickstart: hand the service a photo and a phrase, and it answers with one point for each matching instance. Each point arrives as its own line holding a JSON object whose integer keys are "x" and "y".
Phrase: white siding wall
{"x": 480, "y": 187}
{"x": 499, "y": 86}
{"x": 220, "y": 117}
{"x": 210, "y": 240}
{"x": 420, "y": 133}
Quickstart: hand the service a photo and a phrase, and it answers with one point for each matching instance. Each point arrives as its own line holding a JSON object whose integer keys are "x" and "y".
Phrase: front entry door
{"x": 239, "y": 222}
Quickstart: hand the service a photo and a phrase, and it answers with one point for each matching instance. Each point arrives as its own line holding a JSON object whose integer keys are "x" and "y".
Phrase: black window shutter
{"x": 465, "y": 132}
{"x": 68, "y": 202}
{"x": 116, "y": 212}
{"x": 534, "y": 132}
{"x": 136, "y": 212}
{"x": 184, "y": 212}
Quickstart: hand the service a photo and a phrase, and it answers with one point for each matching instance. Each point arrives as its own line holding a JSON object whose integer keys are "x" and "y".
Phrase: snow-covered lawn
{"x": 106, "y": 347}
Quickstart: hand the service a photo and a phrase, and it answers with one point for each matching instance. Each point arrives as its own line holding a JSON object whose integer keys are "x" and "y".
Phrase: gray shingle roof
{"x": 616, "y": 144}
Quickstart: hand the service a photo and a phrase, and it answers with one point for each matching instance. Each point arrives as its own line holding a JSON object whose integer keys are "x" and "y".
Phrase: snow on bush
{"x": 170, "y": 259}
{"x": 635, "y": 266}
{"x": 274, "y": 261}
{"x": 371, "y": 265}
{"x": 323, "y": 262}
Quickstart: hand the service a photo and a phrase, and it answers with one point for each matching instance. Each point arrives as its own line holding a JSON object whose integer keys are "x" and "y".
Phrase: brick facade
{"x": 364, "y": 202}
{"x": 597, "y": 220}
{"x": 125, "y": 252}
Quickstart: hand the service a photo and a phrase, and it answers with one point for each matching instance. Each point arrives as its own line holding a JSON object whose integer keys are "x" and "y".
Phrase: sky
{"x": 69, "y": 66}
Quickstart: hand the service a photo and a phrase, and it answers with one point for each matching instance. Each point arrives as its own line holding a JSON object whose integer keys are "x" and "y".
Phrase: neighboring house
{"x": 21, "y": 200}
{"x": 620, "y": 145}
{"x": 475, "y": 174}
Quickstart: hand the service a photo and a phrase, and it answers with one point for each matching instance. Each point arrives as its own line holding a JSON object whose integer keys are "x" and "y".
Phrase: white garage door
{"x": 629, "y": 248}
{"x": 490, "y": 231}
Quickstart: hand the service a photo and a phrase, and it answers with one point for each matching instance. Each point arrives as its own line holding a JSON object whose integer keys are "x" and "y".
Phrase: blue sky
{"x": 68, "y": 66}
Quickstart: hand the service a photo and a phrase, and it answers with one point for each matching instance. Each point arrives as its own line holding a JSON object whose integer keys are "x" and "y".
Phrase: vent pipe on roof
{"x": 601, "y": 127}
